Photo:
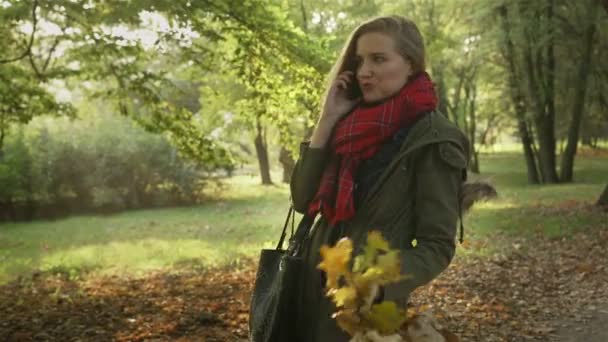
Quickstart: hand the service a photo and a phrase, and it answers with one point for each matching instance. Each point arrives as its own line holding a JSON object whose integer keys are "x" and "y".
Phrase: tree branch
{"x": 51, "y": 51}
{"x": 304, "y": 16}
{"x": 39, "y": 75}
{"x": 2, "y": 134}
{"x": 28, "y": 49}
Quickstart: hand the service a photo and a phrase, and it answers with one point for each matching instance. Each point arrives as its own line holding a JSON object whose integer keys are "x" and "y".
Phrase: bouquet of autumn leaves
{"x": 354, "y": 290}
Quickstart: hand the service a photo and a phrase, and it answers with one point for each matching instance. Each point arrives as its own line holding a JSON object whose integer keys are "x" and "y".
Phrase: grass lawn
{"x": 553, "y": 210}
{"x": 247, "y": 216}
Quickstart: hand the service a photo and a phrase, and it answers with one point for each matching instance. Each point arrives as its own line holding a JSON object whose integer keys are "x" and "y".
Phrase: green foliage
{"x": 94, "y": 47}
{"x": 14, "y": 167}
{"x": 100, "y": 163}
{"x": 22, "y": 98}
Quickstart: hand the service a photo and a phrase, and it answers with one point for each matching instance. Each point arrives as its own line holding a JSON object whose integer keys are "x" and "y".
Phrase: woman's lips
{"x": 366, "y": 86}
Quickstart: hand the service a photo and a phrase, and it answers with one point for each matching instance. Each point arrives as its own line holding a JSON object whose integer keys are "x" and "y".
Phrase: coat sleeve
{"x": 306, "y": 175}
{"x": 439, "y": 178}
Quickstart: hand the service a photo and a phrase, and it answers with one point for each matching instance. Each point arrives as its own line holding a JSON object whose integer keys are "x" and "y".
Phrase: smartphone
{"x": 353, "y": 91}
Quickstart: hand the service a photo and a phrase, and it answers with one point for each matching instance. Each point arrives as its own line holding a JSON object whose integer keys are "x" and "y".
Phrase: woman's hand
{"x": 337, "y": 104}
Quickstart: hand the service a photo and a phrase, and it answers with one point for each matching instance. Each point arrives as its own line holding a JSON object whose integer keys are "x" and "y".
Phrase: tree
{"x": 517, "y": 97}
{"x": 548, "y": 92}
{"x": 603, "y": 200}
{"x": 21, "y": 99}
{"x": 91, "y": 45}
{"x": 536, "y": 32}
{"x": 578, "y": 107}
{"x": 22, "y": 96}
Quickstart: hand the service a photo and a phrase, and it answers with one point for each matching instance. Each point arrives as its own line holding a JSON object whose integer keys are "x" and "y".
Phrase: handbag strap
{"x": 290, "y": 215}
{"x": 296, "y": 239}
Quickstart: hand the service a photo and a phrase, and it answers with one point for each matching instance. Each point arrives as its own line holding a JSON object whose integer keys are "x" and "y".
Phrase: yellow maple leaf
{"x": 335, "y": 261}
{"x": 359, "y": 263}
{"x": 372, "y": 275}
{"x": 376, "y": 241}
{"x": 361, "y": 282}
{"x": 390, "y": 263}
{"x": 345, "y": 296}
{"x": 386, "y": 317}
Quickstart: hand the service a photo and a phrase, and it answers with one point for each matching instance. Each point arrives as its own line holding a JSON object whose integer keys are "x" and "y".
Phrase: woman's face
{"x": 381, "y": 70}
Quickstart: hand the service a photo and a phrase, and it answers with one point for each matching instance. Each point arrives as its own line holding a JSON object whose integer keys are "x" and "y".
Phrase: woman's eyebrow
{"x": 373, "y": 54}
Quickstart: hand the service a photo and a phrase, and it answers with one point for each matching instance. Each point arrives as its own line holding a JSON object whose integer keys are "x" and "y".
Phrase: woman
{"x": 380, "y": 158}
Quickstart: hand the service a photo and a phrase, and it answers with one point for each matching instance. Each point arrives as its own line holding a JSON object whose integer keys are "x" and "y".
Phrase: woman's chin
{"x": 372, "y": 99}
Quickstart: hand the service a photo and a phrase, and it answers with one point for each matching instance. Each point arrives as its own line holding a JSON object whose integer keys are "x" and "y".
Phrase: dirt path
{"x": 538, "y": 289}
{"x": 592, "y": 327}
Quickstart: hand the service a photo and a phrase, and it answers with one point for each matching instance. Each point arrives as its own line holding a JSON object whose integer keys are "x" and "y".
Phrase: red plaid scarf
{"x": 359, "y": 136}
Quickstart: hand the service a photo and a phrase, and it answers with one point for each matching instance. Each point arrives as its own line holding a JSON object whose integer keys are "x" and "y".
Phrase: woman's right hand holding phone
{"x": 337, "y": 104}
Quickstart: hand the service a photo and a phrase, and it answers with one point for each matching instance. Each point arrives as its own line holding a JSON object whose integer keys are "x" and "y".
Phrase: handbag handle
{"x": 291, "y": 214}
{"x": 295, "y": 239}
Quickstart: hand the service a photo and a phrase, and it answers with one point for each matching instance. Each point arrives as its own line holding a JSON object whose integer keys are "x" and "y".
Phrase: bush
{"x": 57, "y": 166}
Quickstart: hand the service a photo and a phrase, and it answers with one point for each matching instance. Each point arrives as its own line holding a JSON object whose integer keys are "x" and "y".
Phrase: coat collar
{"x": 433, "y": 128}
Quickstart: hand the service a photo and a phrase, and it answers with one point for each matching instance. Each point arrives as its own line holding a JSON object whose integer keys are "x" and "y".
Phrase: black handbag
{"x": 274, "y": 302}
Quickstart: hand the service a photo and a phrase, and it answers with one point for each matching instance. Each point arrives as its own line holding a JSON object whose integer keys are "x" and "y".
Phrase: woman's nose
{"x": 364, "y": 70}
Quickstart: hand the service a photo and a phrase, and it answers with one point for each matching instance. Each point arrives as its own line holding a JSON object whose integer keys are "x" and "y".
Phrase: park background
{"x": 145, "y": 148}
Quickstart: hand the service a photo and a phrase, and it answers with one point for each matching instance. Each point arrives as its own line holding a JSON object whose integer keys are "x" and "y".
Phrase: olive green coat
{"x": 415, "y": 198}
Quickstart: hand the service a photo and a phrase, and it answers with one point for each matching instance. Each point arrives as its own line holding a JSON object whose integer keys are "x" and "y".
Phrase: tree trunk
{"x": 485, "y": 138}
{"x": 470, "y": 125}
{"x": 544, "y": 122}
{"x": 586, "y": 132}
{"x": 527, "y": 143}
{"x": 1, "y": 139}
{"x": 542, "y": 101}
{"x": 286, "y": 159}
{"x": 549, "y": 97}
{"x": 579, "y": 99}
{"x": 3, "y": 130}
{"x": 442, "y": 92}
{"x": 472, "y": 130}
{"x": 518, "y": 101}
{"x": 546, "y": 149}
{"x": 261, "y": 150}
{"x": 603, "y": 200}
{"x": 454, "y": 105}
